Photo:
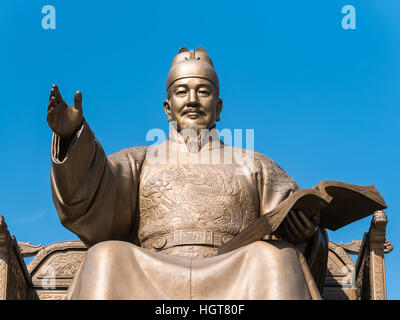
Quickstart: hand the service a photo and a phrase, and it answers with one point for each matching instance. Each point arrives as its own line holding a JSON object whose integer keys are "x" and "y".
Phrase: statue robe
{"x": 154, "y": 217}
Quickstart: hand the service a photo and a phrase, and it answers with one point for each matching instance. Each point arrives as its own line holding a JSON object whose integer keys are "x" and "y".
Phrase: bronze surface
{"x": 180, "y": 210}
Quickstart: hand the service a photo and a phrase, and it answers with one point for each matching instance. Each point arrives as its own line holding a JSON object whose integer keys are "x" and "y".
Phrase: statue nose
{"x": 193, "y": 97}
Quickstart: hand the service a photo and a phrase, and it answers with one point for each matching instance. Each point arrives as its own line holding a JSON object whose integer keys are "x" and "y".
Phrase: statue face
{"x": 193, "y": 103}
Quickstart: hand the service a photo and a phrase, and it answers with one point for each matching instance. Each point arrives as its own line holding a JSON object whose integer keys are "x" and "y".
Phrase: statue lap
{"x": 261, "y": 270}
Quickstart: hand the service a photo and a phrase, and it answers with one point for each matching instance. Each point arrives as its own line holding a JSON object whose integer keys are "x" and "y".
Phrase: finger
{"x": 297, "y": 222}
{"x": 52, "y": 103}
{"x": 50, "y": 115}
{"x": 292, "y": 227}
{"x": 306, "y": 221}
{"x": 78, "y": 100}
{"x": 52, "y": 93}
{"x": 57, "y": 94}
{"x": 289, "y": 233}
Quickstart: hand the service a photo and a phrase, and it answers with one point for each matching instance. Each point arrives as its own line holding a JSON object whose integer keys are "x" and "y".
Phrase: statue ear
{"x": 201, "y": 49}
{"x": 183, "y": 49}
{"x": 219, "y": 109}
{"x": 167, "y": 109}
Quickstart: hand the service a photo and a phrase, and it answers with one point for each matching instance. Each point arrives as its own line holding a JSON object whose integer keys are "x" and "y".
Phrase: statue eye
{"x": 180, "y": 92}
{"x": 204, "y": 92}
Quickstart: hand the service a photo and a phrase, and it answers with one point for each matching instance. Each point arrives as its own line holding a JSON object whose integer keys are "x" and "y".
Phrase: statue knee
{"x": 270, "y": 248}
{"x": 107, "y": 249}
{"x": 257, "y": 246}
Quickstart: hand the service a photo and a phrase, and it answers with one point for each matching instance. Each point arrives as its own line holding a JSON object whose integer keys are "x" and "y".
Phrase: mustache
{"x": 198, "y": 108}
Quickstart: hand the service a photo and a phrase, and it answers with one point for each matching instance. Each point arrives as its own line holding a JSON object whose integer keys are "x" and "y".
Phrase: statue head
{"x": 193, "y": 91}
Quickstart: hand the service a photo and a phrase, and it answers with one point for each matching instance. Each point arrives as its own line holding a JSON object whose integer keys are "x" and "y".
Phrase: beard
{"x": 195, "y": 136}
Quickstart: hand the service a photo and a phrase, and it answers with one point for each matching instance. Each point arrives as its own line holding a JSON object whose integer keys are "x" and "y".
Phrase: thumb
{"x": 78, "y": 101}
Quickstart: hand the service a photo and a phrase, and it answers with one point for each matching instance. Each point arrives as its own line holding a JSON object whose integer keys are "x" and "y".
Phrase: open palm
{"x": 63, "y": 119}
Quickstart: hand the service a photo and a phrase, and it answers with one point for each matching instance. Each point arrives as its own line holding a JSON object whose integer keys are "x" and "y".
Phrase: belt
{"x": 187, "y": 237}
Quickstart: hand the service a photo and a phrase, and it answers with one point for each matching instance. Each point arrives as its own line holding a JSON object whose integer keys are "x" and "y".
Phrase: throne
{"x": 53, "y": 267}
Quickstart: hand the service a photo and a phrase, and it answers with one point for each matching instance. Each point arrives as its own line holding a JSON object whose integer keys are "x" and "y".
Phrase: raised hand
{"x": 64, "y": 120}
{"x": 298, "y": 227}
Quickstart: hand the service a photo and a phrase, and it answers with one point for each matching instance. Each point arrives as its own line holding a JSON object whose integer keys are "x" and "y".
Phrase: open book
{"x": 336, "y": 203}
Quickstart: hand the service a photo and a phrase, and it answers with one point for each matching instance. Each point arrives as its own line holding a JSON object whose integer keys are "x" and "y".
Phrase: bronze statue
{"x": 154, "y": 228}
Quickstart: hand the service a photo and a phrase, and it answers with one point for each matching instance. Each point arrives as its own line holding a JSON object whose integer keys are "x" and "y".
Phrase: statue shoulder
{"x": 132, "y": 154}
{"x": 269, "y": 173}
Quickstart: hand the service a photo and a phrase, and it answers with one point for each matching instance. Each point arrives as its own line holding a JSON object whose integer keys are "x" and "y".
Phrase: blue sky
{"x": 323, "y": 101}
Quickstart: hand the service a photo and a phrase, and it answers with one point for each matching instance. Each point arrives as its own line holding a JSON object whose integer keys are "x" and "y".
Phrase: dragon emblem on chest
{"x": 199, "y": 196}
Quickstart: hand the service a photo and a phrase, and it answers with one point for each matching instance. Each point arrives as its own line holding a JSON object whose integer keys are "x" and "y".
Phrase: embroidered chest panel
{"x": 183, "y": 197}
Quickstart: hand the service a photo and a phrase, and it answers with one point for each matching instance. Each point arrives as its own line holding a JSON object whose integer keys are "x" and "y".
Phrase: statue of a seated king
{"x": 153, "y": 217}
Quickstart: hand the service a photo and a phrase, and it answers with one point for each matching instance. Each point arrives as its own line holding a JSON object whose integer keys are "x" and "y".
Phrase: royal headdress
{"x": 192, "y": 64}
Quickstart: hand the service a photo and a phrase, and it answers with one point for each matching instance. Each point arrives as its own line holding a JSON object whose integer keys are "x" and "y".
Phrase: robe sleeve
{"x": 273, "y": 184}
{"x": 95, "y": 196}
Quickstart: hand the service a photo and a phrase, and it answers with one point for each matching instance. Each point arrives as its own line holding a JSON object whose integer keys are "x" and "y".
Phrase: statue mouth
{"x": 193, "y": 113}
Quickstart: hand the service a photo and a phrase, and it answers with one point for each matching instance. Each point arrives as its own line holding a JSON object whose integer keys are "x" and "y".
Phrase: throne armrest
{"x": 364, "y": 279}
{"x": 370, "y": 265}
{"x": 15, "y": 280}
